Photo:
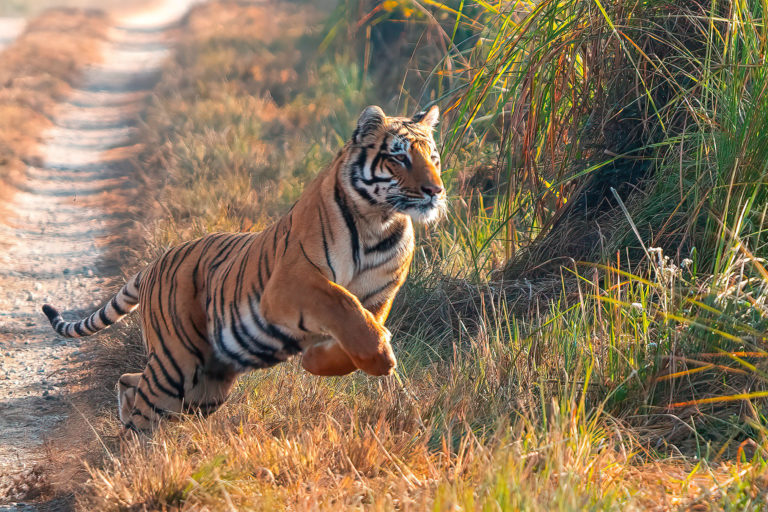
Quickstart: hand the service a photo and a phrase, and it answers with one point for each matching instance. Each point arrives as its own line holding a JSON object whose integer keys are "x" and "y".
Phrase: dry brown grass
{"x": 289, "y": 441}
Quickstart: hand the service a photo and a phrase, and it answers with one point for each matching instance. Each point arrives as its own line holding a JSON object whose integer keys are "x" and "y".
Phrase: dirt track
{"x": 66, "y": 214}
{"x": 10, "y": 28}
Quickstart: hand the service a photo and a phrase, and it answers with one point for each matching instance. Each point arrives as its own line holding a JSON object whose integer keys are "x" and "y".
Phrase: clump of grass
{"x": 655, "y": 100}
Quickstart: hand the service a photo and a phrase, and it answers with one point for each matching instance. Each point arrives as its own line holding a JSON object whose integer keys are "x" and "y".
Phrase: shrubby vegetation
{"x": 586, "y": 328}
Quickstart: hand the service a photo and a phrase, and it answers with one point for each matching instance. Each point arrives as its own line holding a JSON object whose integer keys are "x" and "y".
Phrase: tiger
{"x": 318, "y": 282}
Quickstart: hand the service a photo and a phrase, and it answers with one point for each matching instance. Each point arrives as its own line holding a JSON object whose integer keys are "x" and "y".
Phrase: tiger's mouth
{"x": 421, "y": 209}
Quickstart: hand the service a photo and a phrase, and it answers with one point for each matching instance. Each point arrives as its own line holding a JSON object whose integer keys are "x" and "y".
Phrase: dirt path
{"x": 54, "y": 247}
{"x": 10, "y": 28}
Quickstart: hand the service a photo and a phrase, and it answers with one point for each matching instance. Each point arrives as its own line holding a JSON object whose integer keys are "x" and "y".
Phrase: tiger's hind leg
{"x": 149, "y": 397}
{"x": 126, "y": 395}
{"x": 212, "y": 383}
{"x": 156, "y": 395}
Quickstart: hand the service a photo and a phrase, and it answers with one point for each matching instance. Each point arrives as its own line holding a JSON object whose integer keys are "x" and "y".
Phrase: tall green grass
{"x": 568, "y": 91}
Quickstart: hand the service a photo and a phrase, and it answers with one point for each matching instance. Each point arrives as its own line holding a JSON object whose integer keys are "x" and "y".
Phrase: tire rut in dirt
{"x": 68, "y": 213}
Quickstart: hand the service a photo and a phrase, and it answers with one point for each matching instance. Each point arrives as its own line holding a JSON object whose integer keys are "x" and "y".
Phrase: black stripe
{"x": 378, "y": 290}
{"x": 156, "y": 409}
{"x": 381, "y": 263}
{"x": 176, "y": 319}
{"x": 207, "y": 242}
{"x": 135, "y": 285}
{"x": 325, "y": 216}
{"x": 137, "y": 412}
{"x": 389, "y": 242}
{"x": 359, "y": 165}
{"x": 156, "y": 381}
{"x": 291, "y": 344}
{"x": 350, "y": 222}
{"x": 145, "y": 379}
{"x": 261, "y": 260}
{"x": 375, "y": 163}
{"x": 220, "y": 309}
{"x": 301, "y": 322}
{"x": 266, "y": 354}
{"x": 263, "y": 358}
{"x": 79, "y": 329}
{"x": 375, "y": 180}
{"x": 219, "y": 343}
{"x": 288, "y": 232}
{"x": 167, "y": 263}
{"x": 89, "y": 322}
{"x": 239, "y": 276}
{"x": 232, "y": 355}
{"x": 204, "y": 408}
{"x": 92, "y": 327}
{"x": 131, "y": 426}
{"x": 116, "y": 306}
{"x": 325, "y": 245}
{"x": 301, "y": 245}
{"x": 274, "y": 237}
{"x": 362, "y": 192}
{"x": 103, "y": 316}
{"x": 265, "y": 253}
{"x": 224, "y": 252}
{"x": 178, "y": 385}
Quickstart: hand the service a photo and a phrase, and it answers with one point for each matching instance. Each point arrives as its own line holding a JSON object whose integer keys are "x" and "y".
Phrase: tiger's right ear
{"x": 371, "y": 119}
{"x": 429, "y": 117}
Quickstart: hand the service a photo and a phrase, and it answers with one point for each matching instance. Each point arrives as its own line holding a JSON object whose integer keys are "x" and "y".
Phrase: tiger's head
{"x": 393, "y": 163}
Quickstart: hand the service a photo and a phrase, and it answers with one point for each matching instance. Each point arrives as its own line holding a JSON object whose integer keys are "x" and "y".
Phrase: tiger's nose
{"x": 432, "y": 190}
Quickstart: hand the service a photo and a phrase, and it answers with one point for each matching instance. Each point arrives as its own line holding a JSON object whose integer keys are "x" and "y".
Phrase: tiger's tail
{"x": 125, "y": 301}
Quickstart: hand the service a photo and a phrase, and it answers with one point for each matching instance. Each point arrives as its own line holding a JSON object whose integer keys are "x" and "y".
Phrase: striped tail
{"x": 126, "y": 300}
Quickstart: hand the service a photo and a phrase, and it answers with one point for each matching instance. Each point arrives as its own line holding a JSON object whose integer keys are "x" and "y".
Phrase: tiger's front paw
{"x": 380, "y": 365}
{"x": 380, "y": 361}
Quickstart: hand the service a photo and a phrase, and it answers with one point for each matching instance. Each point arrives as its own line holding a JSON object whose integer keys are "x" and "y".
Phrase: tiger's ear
{"x": 371, "y": 119}
{"x": 429, "y": 117}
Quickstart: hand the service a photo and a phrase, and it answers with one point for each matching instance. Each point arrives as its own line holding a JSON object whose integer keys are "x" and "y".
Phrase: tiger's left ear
{"x": 370, "y": 121}
{"x": 429, "y": 117}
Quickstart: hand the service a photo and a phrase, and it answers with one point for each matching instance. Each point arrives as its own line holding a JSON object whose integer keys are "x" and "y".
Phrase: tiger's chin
{"x": 426, "y": 214}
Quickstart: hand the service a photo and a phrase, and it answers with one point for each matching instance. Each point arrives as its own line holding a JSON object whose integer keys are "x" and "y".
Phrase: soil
{"x": 67, "y": 215}
{"x": 10, "y": 28}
